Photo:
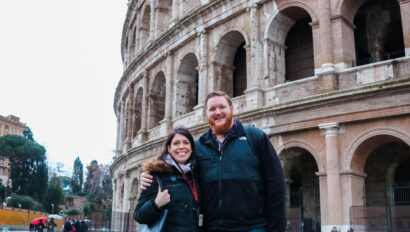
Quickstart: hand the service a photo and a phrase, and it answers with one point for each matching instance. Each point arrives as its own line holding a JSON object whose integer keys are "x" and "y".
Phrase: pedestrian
{"x": 40, "y": 226}
{"x": 67, "y": 225}
{"x": 240, "y": 175}
{"x": 84, "y": 226}
{"x": 175, "y": 170}
{"x": 51, "y": 225}
{"x": 31, "y": 227}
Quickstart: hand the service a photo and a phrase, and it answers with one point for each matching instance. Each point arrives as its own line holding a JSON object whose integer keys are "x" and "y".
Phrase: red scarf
{"x": 191, "y": 185}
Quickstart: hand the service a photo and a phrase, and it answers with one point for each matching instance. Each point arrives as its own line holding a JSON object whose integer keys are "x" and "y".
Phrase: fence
{"x": 394, "y": 216}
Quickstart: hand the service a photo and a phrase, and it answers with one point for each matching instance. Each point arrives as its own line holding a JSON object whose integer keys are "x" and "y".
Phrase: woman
{"x": 175, "y": 169}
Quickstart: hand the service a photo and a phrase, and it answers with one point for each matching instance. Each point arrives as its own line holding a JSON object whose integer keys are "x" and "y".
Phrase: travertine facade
{"x": 9, "y": 125}
{"x": 327, "y": 80}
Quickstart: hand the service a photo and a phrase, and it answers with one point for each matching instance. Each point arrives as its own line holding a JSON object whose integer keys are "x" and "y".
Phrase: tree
{"x": 28, "y": 166}
{"x": 53, "y": 196}
{"x": 77, "y": 179}
{"x": 28, "y": 134}
{"x": 98, "y": 185}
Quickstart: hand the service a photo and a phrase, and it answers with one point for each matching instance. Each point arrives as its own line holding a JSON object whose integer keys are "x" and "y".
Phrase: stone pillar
{"x": 274, "y": 63}
{"x": 405, "y": 21}
{"x": 118, "y": 141}
{"x": 344, "y": 54}
{"x": 254, "y": 92}
{"x": 175, "y": 13}
{"x": 153, "y": 21}
{"x": 325, "y": 37}
{"x": 130, "y": 115}
{"x": 169, "y": 96}
{"x": 127, "y": 190}
{"x": 203, "y": 67}
{"x": 144, "y": 111}
{"x": 353, "y": 183}
{"x": 123, "y": 124}
{"x": 334, "y": 195}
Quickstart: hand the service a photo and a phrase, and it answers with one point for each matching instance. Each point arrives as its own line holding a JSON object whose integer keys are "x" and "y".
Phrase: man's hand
{"x": 145, "y": 180}
{"x": 162, "y": 198}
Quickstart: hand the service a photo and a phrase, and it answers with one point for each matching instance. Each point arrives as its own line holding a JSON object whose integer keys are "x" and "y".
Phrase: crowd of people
{"x": 75, "y": 225}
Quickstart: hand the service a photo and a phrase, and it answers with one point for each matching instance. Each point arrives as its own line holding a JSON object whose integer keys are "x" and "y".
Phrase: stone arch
{"x": 157, "y": 100}
{"x": 133, "y": 193}
{"x": 187, "y": 84}
{"x": 387, "y": 175}
{"x": 379, "y": 31}
{"x": 304, "y": 146}
{"x": 290, "y": 42}
{"x": 137, "y": 112}
{"x": 359, "y": 150}
{"x": 230, "y": 63}
{"x": 164, "y": 15}
{"x": 303, "y": 192}
{"x": 145, "y": 27}
{"x": 348, "y": 8}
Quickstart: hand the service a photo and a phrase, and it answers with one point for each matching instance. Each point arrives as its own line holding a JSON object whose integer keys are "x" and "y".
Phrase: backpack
{"x": 251, "y": 138}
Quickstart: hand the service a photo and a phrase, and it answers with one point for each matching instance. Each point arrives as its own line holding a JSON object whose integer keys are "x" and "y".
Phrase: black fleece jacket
{"x": 241, "y": 190}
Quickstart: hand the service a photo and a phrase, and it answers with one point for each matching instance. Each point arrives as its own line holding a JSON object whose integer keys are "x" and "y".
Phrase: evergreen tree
{"x": 28, "y": 166}
{"x": 53, "y": 196}
{"x": 28, "y": 134}
{"x": 77, "y": 179}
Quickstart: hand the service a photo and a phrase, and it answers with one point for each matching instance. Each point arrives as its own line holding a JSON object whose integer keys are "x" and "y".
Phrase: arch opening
{"x": 303, "y": 192}
{"x": 157, "y": 100}
{"x": 379, "y": 32}
{"x": 187, "y": 85}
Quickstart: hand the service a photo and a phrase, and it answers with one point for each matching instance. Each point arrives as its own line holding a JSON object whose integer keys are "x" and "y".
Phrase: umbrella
{"x": 55, "y": 216}
{"x": 37, "y": 220}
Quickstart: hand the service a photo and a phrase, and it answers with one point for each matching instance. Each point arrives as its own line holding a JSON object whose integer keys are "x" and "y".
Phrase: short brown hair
{"x": 217, "y": 94}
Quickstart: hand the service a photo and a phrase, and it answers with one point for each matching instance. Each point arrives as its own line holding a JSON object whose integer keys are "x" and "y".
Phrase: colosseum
{"x": 327, "y": 80}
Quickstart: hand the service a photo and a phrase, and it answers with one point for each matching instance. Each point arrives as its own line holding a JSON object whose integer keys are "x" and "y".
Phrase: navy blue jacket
{"x": 240, "y": 190}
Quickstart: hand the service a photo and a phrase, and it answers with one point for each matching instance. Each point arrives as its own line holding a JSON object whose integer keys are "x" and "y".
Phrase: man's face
{"x": 219, "y": 115}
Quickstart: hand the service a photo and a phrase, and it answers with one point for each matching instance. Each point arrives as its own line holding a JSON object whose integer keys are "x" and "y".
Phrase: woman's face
{"x": 180, "y": 149}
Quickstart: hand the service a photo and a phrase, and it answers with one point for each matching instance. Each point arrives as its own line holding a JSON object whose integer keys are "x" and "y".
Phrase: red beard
{"x": 224, "y": 128}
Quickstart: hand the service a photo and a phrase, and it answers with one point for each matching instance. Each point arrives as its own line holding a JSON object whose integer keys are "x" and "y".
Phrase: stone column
{"x": 405, "y": 21}
{"x": 130, "y": 115}
{"x": 144, "y": 111}
{"x": 152, "y": 29}
{"x": 203, "y": 67}
{"x": 175, "y": 13}
{"x": 127, "y": 190}
{"x": 123, "y": 124}
{"x": 254, "y": 92}
{"x": 353, "y": 183}
{"x": 169, "y": 96}
{"x": 325, "y": 34}
{"x": 334, "y": 195}
{"x": 118, "y": 141}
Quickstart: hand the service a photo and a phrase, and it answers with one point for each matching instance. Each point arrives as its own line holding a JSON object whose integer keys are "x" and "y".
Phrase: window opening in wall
{"x": 299, "y": 53}
{"x": 137, "y": 113}
{"x": 187, "y": 85}
{"x": 379, "y": 33}
{"x": 157, "y": 100}
{"x": 239, "y": 72}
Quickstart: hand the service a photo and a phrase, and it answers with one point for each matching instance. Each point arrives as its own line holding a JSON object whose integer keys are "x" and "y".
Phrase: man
{"x": 50, "y": 225}
{"x": 240, "y": 176}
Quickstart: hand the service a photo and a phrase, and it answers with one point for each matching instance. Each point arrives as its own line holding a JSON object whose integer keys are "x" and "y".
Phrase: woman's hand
{"x": 162, "y": 198}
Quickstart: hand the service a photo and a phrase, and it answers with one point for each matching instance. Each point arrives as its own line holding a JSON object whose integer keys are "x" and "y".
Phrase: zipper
{"x": 220, "y": 187}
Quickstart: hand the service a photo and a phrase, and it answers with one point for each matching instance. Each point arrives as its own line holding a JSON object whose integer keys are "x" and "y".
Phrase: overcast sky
{"x": 60, "y": 62}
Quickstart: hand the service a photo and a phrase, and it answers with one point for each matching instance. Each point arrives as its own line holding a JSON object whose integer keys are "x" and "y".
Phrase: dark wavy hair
{"x": 182, "y": 131}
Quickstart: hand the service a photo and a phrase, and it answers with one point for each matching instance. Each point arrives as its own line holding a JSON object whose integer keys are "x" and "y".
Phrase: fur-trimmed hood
{"x": 157, "y": 166}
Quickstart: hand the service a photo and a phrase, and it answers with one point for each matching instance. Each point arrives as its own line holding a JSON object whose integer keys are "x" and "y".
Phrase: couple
{"x": 237, "y": 190}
